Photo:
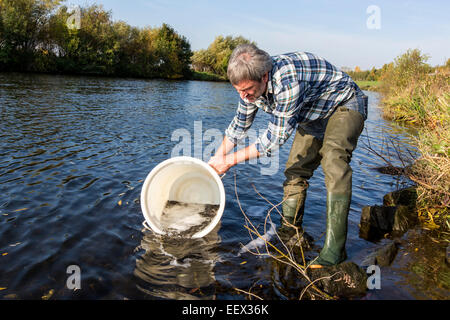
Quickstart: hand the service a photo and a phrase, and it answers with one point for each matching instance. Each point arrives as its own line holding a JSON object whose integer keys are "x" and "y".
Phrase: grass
{"x": 368, "y": 85}
{"x": 423, "y": 101}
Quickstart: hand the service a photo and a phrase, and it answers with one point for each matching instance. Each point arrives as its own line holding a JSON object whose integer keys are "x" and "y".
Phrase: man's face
{"x": 251, "y": 90}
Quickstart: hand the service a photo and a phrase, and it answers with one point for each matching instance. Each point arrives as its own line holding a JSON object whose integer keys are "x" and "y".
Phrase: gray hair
{"x": 248, "y": 62}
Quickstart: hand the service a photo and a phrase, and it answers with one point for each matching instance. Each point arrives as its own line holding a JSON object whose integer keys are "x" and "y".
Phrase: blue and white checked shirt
{"x": 302, "y": 87}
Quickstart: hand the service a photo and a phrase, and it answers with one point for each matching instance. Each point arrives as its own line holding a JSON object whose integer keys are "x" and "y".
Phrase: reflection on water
{"x": 174, "y": 268}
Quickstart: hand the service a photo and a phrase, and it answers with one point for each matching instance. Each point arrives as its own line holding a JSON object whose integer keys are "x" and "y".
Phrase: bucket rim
{"x": 164, "y": 164}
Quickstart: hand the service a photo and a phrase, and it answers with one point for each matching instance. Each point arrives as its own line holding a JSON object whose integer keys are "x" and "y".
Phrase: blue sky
{"x": 335, "y": 30}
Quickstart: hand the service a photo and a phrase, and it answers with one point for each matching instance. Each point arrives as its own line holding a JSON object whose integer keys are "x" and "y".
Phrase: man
{"x": 305, "y": 91}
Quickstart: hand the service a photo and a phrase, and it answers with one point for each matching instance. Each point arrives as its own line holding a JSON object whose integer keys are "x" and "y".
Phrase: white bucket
{"x": 182, "y": 179}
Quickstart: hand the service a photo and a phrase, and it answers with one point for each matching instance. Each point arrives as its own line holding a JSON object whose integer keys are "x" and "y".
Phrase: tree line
{"x": 47, "y": 36}
{"x": 412, "y": 61}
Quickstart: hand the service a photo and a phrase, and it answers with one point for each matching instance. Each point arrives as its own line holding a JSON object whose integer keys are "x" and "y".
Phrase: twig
{"x": 268, "y": 215}
{"x": 288, "y": 258}
{"x": 249, "y": 293}
{"x": 312, "y": 283}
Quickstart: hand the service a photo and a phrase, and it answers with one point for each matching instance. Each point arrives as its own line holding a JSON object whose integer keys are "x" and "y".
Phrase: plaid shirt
{"x": 302, "y": 87}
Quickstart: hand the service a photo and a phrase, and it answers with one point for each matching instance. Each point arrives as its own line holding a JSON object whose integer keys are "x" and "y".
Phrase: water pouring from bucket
{"x": 182, "y": 196}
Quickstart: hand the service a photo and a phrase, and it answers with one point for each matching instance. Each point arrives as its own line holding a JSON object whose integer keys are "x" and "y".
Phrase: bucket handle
{"x": 144, "y": 223}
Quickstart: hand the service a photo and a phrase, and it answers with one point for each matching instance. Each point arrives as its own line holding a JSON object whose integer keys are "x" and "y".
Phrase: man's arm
{"x": 222, "y": 161}
{"x": 226, "y": 146}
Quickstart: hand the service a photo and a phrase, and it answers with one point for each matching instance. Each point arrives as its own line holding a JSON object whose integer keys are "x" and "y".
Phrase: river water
{"x": 74, "y": 152}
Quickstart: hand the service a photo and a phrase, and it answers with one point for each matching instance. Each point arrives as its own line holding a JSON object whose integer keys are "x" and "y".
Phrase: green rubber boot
{"x": 291, "y": 223}
{"x": 293, "y": 209}
{"x": 333, "y": 251}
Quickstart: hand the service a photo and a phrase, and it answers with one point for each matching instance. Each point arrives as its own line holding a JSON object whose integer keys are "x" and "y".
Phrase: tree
{"x": 407, "y": 68}
{"x": 22, "y": 29}
{"x": 35, "y": 36}
{"x": 173, "y": 53}
{"x": 215, "y": 58}
{"x": 373, "y": 75}
{"x": 132, "y": 58}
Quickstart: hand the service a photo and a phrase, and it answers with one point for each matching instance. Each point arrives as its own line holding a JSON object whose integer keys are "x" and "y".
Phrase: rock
{"x": 378, "y": 216}
{"x": 370, "y": 260}
{"x": 382, "y": 256}
{"x": 295, "y": 237}
{"x": 404, "y": 218}
{"x": 305, "y": 241}
{"x": 391, "y": 170}
{"x": 386, "y": 254}
{"x": 376, "y": 221}
{"x": 404, "y": 197}
{"x": 345, "y": 280}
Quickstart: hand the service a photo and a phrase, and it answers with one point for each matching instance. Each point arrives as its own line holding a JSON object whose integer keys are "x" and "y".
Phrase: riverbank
{"x": 414, "y": 97}
{"x": 206, "y": 76}
{"x": 418, "y": 254}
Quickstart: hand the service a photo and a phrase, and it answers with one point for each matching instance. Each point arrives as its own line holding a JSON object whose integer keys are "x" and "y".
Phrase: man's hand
{"x": 219, "y": 161}
{"x": 222, "y": 163}
{"x": 219, "y": 164}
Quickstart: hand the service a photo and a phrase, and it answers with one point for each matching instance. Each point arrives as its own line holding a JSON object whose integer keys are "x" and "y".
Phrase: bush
{"x": 407, "y": 69}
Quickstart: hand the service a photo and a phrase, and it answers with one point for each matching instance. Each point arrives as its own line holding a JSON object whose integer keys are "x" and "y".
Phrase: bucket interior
{"x": 180, "y": 181}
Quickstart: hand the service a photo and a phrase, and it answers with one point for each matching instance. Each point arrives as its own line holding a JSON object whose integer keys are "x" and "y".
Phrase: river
{"x": 74, "y": 152}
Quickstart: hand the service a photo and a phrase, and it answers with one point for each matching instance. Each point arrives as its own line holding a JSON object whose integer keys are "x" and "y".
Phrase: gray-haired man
{"x": 300, "y": 90}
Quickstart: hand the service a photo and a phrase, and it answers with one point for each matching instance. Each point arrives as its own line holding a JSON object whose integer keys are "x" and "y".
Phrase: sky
{"x": 348, "y": 33}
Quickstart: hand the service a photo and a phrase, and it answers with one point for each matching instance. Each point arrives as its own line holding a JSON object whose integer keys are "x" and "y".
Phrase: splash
{"x": 186, "y": 219}
{"x": 260, "y": 241}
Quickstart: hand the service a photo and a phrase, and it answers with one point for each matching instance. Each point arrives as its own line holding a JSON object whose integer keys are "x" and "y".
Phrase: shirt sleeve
{"x": 241, "y": 122}
{"x": 288, "y": 102}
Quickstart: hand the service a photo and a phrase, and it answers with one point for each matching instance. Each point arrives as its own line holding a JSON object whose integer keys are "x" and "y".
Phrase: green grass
{"x": 368, "y": 85}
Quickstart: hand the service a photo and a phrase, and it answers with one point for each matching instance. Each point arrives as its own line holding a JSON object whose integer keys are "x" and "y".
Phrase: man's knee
{"x": 337, "y": 170}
